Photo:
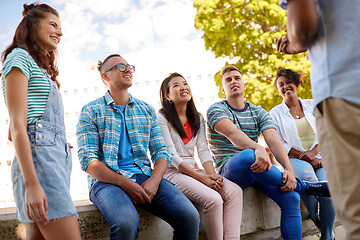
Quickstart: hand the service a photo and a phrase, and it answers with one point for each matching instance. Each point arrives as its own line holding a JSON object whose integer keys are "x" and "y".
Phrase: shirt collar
{"x": 286, "y": 109}
{"x": 110, "y": 101}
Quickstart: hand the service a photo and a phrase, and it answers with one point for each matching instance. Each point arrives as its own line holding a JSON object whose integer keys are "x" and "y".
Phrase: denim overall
{"x": 52, "y": 160}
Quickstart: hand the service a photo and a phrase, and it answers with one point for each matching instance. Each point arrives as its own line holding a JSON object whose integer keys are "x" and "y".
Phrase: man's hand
{"x": 289, "y": 180}
{"x": 136, "y": 193}
{"x": 284, "y": 46}
{"x": 151, "y": 186}
{"x": 262, "y": 161}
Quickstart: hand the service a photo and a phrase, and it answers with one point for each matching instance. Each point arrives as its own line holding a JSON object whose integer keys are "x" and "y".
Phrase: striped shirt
{"x": 252, "y": 120}
{"x": 38, "y": 81}
{"x": 98, "y": 135}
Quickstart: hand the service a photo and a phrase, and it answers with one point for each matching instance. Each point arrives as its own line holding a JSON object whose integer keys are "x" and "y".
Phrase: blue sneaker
{"x": 319, "y": 189}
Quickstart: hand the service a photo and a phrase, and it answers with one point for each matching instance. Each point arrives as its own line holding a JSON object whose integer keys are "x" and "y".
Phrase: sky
{"x": 157, "y": 36}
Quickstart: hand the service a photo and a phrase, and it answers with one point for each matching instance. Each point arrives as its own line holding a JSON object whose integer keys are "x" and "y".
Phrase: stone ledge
{"x": 261, "y": 220}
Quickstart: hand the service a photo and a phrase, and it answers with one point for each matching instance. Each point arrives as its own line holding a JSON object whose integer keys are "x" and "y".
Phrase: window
{"x": 147, "y": 83}
{"x": 76, "y": 91}
{"x": 86, "y": 90}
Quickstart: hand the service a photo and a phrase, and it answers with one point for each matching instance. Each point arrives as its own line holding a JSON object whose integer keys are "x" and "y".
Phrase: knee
{"x": 125, "y": 225}
{"x": 246, "y": 157}
{"x": 236, "y": 194}
{"x": 188, "y": 217}
{"x": 214, "y": 203}
{"x": 293, "y": 198}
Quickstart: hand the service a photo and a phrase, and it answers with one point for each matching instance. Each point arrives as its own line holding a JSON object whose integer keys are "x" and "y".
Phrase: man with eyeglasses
{"x": 114, "y": 133}
{"x": 234, "y": 127}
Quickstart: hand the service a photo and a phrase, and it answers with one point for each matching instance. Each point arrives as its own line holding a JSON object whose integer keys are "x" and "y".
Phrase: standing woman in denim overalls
{"x": 42, "y": 166}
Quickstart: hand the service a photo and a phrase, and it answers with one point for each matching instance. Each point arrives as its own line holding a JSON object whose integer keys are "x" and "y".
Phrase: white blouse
{"x": 286, "y": 126}
{"x": 181, "y": 152}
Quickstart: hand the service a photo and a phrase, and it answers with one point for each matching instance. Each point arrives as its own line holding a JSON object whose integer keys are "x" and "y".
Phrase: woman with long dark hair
{"x": 183, "y": 129}
{"x": 42, "y": 165}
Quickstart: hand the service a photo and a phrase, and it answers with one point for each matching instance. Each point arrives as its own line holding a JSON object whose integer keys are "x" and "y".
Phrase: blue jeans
{"x": 305, "y": 171}
{"x": 168, "y": 204}
{"x": 237, "y": 169}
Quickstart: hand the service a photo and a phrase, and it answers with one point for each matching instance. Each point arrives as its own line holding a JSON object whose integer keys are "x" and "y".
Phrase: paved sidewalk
{"x": 339, "y": 234}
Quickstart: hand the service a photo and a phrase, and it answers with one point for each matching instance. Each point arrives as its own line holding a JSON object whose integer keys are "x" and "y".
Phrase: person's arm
{"x": 310, "y": 157}
{"x": 278, "y": 150}
{"x": 239, "y": 139}
{"x": 88, "y": 142}
{"x": 302, "y": 24}
{"x": 159, "y": 155}
{"x": 206, "y": 158}
{"x": 101, "y": 172}
{"x": 16, "y": 84}
{"x": 165, "y": 131}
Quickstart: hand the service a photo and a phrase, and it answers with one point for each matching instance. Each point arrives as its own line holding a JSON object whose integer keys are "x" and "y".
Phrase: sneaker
{"x": 319, "y": 189}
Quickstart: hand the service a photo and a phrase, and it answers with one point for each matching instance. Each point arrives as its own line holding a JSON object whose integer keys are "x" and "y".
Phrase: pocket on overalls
{"x": 45, "y": 138}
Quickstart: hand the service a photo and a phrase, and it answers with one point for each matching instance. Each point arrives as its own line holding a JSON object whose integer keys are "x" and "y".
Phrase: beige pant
{"x": 338, "y": 127}
{"x": 222, "y": 210}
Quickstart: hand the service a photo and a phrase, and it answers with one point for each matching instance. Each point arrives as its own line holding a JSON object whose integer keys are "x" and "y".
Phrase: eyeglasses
{"x": 122, "y": 67}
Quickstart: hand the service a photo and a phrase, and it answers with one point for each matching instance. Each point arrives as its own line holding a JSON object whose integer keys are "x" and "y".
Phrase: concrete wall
{"x": 261, "y": 220}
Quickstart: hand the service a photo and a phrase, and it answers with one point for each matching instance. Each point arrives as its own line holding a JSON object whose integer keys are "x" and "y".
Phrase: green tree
{"x": 244, "y": 31}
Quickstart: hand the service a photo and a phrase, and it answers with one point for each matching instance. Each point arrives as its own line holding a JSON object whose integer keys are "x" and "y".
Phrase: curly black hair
{"x": 294, "y": 77}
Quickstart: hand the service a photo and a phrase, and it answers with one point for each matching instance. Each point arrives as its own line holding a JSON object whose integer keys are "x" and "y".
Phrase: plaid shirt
{"x": 98, "y": 135}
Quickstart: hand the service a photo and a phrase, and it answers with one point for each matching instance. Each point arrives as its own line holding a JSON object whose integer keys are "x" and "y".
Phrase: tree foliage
{"x": 244, "y": 31}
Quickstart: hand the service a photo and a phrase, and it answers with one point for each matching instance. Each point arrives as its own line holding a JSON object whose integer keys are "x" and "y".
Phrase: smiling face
{"x": 286, "y": 87}
{"x": 179, "y": 91}
{"x": 233, "y": 83}
{"x": 115, "y": 79}
{"x": 49, "y": 32}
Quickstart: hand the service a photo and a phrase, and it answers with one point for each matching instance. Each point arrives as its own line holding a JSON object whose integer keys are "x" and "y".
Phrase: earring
{"x": 170, "y": 101}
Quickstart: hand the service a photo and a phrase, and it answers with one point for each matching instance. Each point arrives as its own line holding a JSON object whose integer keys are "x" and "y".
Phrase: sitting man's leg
{"x": 118, "y": 210}
{"x": 238, "y": 170}
{"x": 171, "y": 205}
{"x": 289, "y": 203}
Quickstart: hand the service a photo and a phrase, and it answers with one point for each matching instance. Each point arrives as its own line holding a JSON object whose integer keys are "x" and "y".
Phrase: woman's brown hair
{"x": 26, "y": 38}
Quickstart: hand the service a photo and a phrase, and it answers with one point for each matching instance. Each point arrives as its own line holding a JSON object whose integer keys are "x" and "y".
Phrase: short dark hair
{"x": 290, "y": 75}
{"x": 228, "y": 69}
{"x": 169, "y": 111}
{"x": 101, "y": 63}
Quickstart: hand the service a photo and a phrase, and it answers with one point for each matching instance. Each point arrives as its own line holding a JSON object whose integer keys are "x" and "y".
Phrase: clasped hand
{"x": 140, "y": 194}
{"x": 214, "y": 181}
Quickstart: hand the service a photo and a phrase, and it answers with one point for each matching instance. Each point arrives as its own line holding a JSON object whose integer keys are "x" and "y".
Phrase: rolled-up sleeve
{"x": 283, "y": 4}
{"x": 87, "y": 139}
{"x": 157, "y": 145}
